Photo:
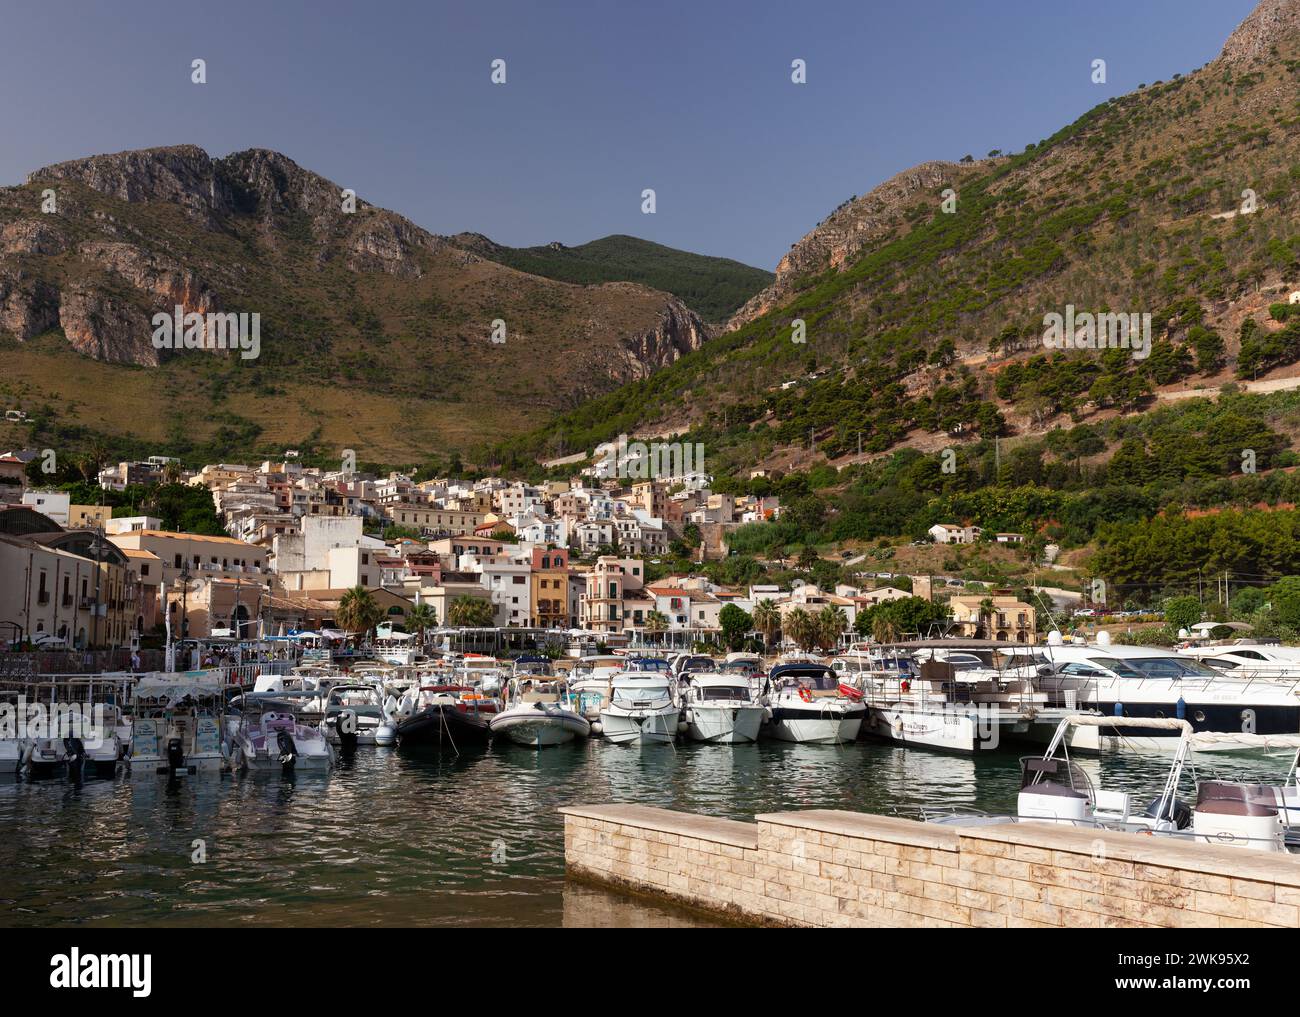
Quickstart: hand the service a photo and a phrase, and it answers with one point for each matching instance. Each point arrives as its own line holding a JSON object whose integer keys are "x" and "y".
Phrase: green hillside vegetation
{"x": 1064, "y": 221}
{"x": 714, "y": 288}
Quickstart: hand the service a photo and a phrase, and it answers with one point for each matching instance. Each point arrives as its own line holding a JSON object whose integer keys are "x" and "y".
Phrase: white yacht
{"x": 1143, "y": 681}
{"x": 1248, "y": 658}
{"x": 642, "y": 708}
{"x": 807, "y": 705}
{"x": 720, "y": 708}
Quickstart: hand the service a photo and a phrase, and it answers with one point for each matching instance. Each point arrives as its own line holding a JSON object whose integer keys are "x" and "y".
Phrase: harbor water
{"x": 402, "y": 838}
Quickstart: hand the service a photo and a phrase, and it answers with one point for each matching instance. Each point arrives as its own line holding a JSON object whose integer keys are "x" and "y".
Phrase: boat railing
{"x": 1121, "y": 687}
{"x": 885, "y": 688}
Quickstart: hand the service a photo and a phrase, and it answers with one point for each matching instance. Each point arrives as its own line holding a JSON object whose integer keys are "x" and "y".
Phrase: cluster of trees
{"x": 892, "y": 620}
{"x": 1178, "y": 550}
{"x": 1263, "y": 349}
{"x": 712, "y": 287}
{"x": 815, "y": 630}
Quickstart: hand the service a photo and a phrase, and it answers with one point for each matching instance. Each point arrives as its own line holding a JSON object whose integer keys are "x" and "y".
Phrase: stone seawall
{"x": 827, "y": 868}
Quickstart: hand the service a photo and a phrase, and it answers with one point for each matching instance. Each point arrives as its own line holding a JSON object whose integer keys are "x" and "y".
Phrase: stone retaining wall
{"x": 826, "y": 868}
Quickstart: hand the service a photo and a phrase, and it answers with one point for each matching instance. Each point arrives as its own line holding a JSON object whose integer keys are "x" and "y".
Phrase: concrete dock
{"x": 824, "y": 868}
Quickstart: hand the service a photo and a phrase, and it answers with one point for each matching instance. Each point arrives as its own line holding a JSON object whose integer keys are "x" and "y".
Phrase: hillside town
{"x": 567, "y": 557}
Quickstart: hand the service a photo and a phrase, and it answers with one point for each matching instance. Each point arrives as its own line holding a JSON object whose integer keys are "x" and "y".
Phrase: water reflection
{"x": 439, "y": 839}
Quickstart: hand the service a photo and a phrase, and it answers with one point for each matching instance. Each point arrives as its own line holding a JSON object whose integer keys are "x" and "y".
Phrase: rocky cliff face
{"x": 1255, "y": 37}
{"x": 100, "y": 269}
{"x": 857, "y": 224}
{"x": 678, "y": 332}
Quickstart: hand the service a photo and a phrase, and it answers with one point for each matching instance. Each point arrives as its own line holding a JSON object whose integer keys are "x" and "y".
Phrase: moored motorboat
{"x": 266, "y": 736}
{"x": 642, "y": 708}
{"x": 537, "y": 714}
{"x": 450, "y": 716}
{"x": 719, "y": 708}
{"x": 807, "y": 705}
{"x": 354, "y": 715}
{"x": 176, "y": 727}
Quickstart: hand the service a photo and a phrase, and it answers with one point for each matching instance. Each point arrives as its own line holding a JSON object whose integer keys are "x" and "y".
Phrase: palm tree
{"x": 171, "y": 472}
{"x": 471, "y": 612}
{"x": 883, "y": 630}
{"x": 358, "y": 611}
{"x": 799, "y": 627}
{"x": 422, "y": 617}
{"x": 829, "y": 623}
{"x": 767, "y": 620}
{"x": 656, "y": 622}
{"x": 986, "y": 611}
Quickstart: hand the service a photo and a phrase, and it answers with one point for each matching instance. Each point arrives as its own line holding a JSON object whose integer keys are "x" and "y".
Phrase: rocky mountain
{"x": 351, "y": 298}
{"x": 922, "y": 319}
{"x": 1255, "y": 37}
{"x": 859, "y": 223}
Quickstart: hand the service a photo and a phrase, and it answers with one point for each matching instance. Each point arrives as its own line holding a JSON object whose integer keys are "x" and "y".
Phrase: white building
{"x": 51, "y": 503}
{"x": 948, "y": 533}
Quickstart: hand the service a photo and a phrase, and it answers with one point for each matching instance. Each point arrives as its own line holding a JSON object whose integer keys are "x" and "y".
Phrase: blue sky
{"x": 602, "y": 100}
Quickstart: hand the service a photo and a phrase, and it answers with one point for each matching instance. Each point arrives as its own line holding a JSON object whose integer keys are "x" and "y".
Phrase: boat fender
{"x": 288, "y": 750}
{"x": 75, "y": 751}
{"x": 906, "y": 685}
{"x": 597, "y": 727}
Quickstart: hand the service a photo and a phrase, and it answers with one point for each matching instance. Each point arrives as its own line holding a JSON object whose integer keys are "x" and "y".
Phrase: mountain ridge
{"x": 933, "y": 321}
{"x": 349, "y": 298}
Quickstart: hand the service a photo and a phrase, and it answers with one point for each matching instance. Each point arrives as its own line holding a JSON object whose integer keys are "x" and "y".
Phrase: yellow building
{"x": 999, "y": 616}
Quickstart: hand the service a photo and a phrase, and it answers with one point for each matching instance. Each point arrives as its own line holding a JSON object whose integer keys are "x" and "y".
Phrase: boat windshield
{"x": 1172, "y": 667}
{"x": 815, "y": 682}
{"x": 725, "y": 692}
{"x": 1119, "y": 667}
{"x": 640, "y": 693}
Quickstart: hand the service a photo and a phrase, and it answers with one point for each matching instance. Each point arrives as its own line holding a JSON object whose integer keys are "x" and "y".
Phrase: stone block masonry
{"x": 824, "y": 868}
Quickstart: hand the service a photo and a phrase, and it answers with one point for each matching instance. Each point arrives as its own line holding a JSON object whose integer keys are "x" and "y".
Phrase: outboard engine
{"x": 1178, "y": 812}
{"x": 75, "y": 752}
{"x": 175, "y": 756}
{"x": 288, "y": 750}
{"x": 345, "y": 724}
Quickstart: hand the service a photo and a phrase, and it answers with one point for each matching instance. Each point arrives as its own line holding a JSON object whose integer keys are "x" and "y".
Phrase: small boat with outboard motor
{"x": 265, "y": 735}
{"x": 537, "y": 714}
{"x": 354, "y": 715}
{"x": 176, "y": 726}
